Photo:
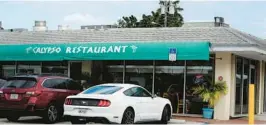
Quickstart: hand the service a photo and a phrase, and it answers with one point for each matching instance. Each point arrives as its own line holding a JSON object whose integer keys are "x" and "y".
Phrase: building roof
{"x": 215, "y": 35}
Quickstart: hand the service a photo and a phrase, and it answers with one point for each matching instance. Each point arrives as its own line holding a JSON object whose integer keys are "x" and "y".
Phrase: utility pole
{"x": 167, "y": 6}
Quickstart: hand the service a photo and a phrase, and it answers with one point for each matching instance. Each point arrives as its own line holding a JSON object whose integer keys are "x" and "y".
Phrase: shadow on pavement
{"x": 39, "y": 120}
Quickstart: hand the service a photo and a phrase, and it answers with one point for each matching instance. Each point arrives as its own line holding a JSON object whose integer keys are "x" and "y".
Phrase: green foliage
{"x": 211, "y": 92}
{"x": 155, "y": 19}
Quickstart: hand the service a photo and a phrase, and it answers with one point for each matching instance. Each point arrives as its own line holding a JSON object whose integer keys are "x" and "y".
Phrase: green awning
{"x": 105, "y": 51}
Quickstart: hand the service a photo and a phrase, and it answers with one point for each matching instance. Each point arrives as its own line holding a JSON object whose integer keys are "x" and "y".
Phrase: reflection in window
{"x": 29, "y": 67}
{"x": 169, "y": 82}
{"x": 198, "y": 72}
{"x": 239, "y": 76}
{"x": 245, "y": 86}
{"x": 55, "y": 67}
{"x": 140, "y": 73}
{"x": 243, "y": 78}
{"x": 114, "y": 72}
{"x": 8, "y": 69}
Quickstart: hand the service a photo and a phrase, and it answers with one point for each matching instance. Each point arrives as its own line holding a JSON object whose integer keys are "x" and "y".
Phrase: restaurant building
{"x": 160, "y": 59}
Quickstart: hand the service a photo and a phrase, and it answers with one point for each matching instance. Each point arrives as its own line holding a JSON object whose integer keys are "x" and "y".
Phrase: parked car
{"x": 36, "y": 95}
{"x": 2, "y": 83}
{"x": 116, "y": 103}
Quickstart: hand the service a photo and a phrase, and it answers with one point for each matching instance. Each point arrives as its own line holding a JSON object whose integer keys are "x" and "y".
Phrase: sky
{"x": 247, "y": 16}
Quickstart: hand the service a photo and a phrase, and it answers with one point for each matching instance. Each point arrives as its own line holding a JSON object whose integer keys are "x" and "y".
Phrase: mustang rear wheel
{"x": 128, "y": 116}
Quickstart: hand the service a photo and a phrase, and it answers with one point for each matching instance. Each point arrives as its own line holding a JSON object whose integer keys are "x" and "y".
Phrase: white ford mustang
{"x": 116, "y": 103}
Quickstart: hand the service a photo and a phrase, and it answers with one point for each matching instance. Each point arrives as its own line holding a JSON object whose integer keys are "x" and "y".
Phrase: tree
{"x": 155, "y": 19}
{"x": 129, "y": 22}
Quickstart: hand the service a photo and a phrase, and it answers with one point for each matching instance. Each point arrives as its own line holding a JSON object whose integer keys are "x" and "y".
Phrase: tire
{"x": 77, "y": 121}
{"x": 128, "y": 116}
{"x": 165, "y": 115}
{"x": 12, "y": 118}
{"x": 51, "y": 114}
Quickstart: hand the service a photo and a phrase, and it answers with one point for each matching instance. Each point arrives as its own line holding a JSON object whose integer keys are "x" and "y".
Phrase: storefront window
{"x": 114, "y": 73}
{"x": 198, "y": 72}
{"x": 245, "y": 86}
{"x": 8, "y": 69}
{"x": 140, "y": 73}
{"x": 169, "y": 82}
{"x": 239, "y": 70}
{"x": 28, "y": 67}
{"x": 264, "y": 104}
{"x": 55, "y": 67}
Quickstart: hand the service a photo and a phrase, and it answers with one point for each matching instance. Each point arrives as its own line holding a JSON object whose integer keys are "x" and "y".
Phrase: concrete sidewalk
{"x": 212, "y": 121}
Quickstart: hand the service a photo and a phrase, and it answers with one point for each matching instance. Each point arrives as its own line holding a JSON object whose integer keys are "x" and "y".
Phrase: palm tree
{"x": 211, "y": 92}
{"x": 156, "y": 19}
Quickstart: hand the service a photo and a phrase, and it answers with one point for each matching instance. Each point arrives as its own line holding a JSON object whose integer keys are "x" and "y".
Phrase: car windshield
{"x": 102, "y": 90}
{"x": 20, "y": 83}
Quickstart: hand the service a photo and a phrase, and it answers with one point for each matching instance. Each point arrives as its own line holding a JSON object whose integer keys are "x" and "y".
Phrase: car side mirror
{"x": 154, "y": 96}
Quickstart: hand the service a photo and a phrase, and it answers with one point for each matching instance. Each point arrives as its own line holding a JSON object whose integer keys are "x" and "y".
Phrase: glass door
{"x": 254, "y": 81}
{"x": 246, "y": 73}
{"x": 264, "y": 104}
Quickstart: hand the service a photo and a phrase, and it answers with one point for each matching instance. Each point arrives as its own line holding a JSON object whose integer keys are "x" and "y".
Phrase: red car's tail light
{"x": 68, "y": 102}
{"x": 33, "y": 100}
{"x": 104, "y": 103}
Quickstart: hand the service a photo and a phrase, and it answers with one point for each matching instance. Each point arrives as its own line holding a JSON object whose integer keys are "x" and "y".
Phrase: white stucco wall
{"x": 223, "y": 67}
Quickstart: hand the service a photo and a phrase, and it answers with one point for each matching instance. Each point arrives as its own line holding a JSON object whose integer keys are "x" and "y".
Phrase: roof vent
{"x": 218, "y": 21}
{"x": 40, "y": 26}
{"x": 62, "y": 27}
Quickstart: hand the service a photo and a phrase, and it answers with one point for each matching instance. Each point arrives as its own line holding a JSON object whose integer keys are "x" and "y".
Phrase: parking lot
{"x": 38, "y": 120}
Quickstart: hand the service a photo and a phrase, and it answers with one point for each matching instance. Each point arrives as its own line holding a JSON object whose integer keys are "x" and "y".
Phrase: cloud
{"x": 85, "y": 19}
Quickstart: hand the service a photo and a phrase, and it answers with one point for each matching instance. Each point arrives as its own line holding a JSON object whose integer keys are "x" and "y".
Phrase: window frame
{"x": 120, "y": 88}
{"x": 43, "y": 83}
{"x": 144, "y": 90}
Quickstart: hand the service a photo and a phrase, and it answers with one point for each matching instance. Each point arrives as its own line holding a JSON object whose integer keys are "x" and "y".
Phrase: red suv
{"x": 36, "y": 95}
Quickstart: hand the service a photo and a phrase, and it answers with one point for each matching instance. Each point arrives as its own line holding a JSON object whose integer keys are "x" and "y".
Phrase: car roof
{"x": 38, "y": 76}
{"x": 124, "y": 85}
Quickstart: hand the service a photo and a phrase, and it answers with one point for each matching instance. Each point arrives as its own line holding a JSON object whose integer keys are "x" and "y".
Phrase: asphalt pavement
{"x": 38, "y": 120}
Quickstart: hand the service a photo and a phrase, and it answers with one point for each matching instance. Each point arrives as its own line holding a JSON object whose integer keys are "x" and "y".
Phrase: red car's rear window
{"x": 20, "y": 82}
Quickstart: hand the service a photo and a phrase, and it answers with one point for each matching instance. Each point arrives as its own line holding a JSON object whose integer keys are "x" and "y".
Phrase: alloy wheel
{"x": 129, "y": 117}
{"x": 52, "y": 113}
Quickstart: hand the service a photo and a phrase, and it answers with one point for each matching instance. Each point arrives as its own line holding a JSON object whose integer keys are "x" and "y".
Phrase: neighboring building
{"x": 141, "y": 56}
{"x": 99, "y": 26}
{"x": 14, "y": 30}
